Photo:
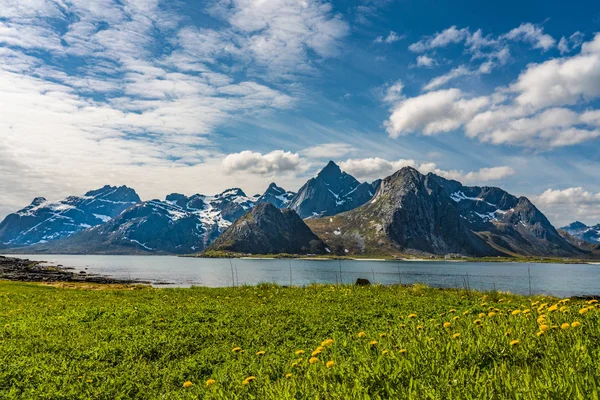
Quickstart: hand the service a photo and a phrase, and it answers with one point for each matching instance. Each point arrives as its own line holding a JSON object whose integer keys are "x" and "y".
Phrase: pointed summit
{"x": 331, "y": 170}
{"x": 277, "y": 196}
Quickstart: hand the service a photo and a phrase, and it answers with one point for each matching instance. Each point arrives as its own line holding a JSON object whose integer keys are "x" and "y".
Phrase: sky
{"x": 200, "y": 96}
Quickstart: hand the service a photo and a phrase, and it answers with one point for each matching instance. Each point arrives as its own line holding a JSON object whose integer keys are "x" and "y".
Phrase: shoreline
{"x": 24, "y": 270}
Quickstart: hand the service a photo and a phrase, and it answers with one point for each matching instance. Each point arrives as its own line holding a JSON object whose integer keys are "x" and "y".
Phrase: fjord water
{"x": 552, "y": 279}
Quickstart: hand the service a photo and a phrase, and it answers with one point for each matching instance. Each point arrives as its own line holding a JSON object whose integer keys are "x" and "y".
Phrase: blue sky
{"x": 188, "y": 96}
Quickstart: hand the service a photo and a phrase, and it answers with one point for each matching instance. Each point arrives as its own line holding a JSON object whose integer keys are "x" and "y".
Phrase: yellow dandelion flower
{"x": 373, "y": 342}
{"x": 382, "y": 335}
{"x": 260, "y": 353}
{"x": 455, "y": 318}
{"x": 575, "y": 324}
{"x": 288, "y": 376}
{"x": 330, "y": 364}
{"x": 484, "y": 304}
{"x": 447, "y": 324}
{"x": 187, "y": 384}
{"x": 564, "y": 309}
{"x": 320, "y": 348}
{"x": 515, "y": 342}
{"x": 541, "y": 319}
{"x": 456, "y": 335}
{"x": 210, "y": 382}
{"x": 412, "y": 316}
{"x": 566, "y": 325}
{"x": 544, "y": 328}
{"x": 90, "y": 381}
{"x": 540, "y": 333}
{"x": 294, "y": 364}
{"x": 402, "y": 325}
{"x": 327, "y": 342}
{"x": 60, "y": 317}
{"x": 506, "y": 333}
{"x": 552, "y": 308}
{"x": 491, "y": 314}
{"x": 299, "y": 352}
{"x": 313, "y": 360}
{"x": 516, "y": 312}
{"x": 315, "y": 353}
{"x": 451, "y": 311}
{"x": 593, "y": 301}
{"x": 402, "y": 351}
{"x": 535, "y": 303}
{"x": 362, "y": 334}
{"x": 237, "y": 350}
{"x": 481, "y": 315}
{"x": 467, "y": 312}
{"x": 419, "y": 327}
{"x": 583, "y": 311}
{"x": 384, "y": 352}
{"x": 248, "y": 380}
{"x": 477, "y": 322}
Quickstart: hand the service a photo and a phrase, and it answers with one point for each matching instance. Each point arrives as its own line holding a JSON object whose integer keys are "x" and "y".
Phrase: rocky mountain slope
{"x": 331, "y": 192}
{"x": 179, "y": 225}
{"x": 277, "y": 196}
{"x": 269, "y": 230}
{"x": 427, "y": 214}
{"x": 43, "y": 221}
{"x": 590, "y": 234}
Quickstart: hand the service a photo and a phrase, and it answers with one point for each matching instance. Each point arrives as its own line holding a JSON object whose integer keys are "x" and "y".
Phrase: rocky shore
{"x": 17, "y": 269}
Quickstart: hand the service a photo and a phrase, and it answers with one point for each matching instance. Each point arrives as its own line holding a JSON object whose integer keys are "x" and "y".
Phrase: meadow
{"x": 272, "y": 342}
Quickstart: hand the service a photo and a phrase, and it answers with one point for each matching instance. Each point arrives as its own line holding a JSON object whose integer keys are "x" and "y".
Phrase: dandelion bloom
{"x": 373, "y": 342}
{"x": 299, "y": 352}
{"x": 260, "y": 353}
{"x": 467, "y": 312}
{"x": 566, "y": 325}
{"x": 316, "y": 353}
{"x": 294, "y": 364}
{"x": 288, "y": 376}
{"x": 593, "y": 301}
{"x": 540, "y": 333}
{"x": 516, "y": 312}
{"x": 402, "y": 351}
{"x": 544, "y": 328}
{"x": 237, "y": 349}
{"x": 384, "y": 352}
{"x": 362, "y": 334}
{"x": 382, "y": 335}
{"x": 491, "y": 314}
{"x": 541, "y": 319}
{"x": 515, "y": 342}
{"x": 455, "y": 318}
{"x": 456, "y": 335}
{"x": 330, "y": 364}
{"x": 447, "y": 324}
{"x": 210, "y": 382}
{"x": 327, "y": 342}
{"x": 477, "y": 322}
{"x": 187, "y": 384}
{"x": 451, "y": 311}
{"x": 564, "y": 309}
{"x": 320, "y": 348}
{"x": 583, "y": 311}
{"x": 553, "y": 308}
{"x": 412, "y": 316}
{"x": 402, "y": 325}
{"x": 419, "y": 327}
{"x": 575, "y": 324}
{"x": 248, "y": 380}
{"x": 481, "y": 315}
{"x": 313, "y": 360}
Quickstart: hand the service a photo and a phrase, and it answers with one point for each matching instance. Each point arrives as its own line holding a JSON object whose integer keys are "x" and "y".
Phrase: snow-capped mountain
{"x": 43, "y": 221}
{"x": 331, "y": 192}
{"x": 412, "y": 212}
{"x": 277, "y": 196}
{"x": 590, "y": 234}
{"x": 179, "y": 224}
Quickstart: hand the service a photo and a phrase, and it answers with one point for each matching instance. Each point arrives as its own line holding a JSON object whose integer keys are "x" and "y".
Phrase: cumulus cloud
{"x": 564, "y": 206}
{"x": 426, "y": 61}
{"x": 262, "y": 164}
{"x": 391, "y": 38}
{"x": 434, "y": 112}
{"x": 534, "y": 111}
{"x": 374, "y": 168}
{"x": 533, "y": 34}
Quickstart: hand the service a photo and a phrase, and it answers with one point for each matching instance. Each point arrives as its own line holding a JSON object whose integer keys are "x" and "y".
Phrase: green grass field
{"x": 386, "y": 342}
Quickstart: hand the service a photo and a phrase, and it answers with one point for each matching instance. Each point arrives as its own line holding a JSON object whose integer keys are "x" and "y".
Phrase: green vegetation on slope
{"x": 387, "y": 342}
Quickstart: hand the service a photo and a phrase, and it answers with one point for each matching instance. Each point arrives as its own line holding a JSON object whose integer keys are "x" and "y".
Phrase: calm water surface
{"x": 554, "y": 279}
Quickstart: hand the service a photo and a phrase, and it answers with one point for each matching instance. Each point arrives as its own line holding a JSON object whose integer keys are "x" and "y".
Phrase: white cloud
{"x": 533, "y": 34}
{"x": 374, "y": 168}
{"x": 443, "y": 79}
{"x": 262, "y": 164}
{"x": 391, "y": 38}
{"x": 393, "y": 92}
{"x": 567, "y": 205}
{"x": 534, "y": 111}
{"x": 433, "y": 112}
{"x": 448, "y": 36}
{"x": 566, "y": 45}
{"x": 426, "y": 61}
{"x": 329, "y": 151}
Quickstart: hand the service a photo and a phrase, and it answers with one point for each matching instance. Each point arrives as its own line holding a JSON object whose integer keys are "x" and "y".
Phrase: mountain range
{"x": 405, "y": 213}
{"x": 589, "y": 234}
